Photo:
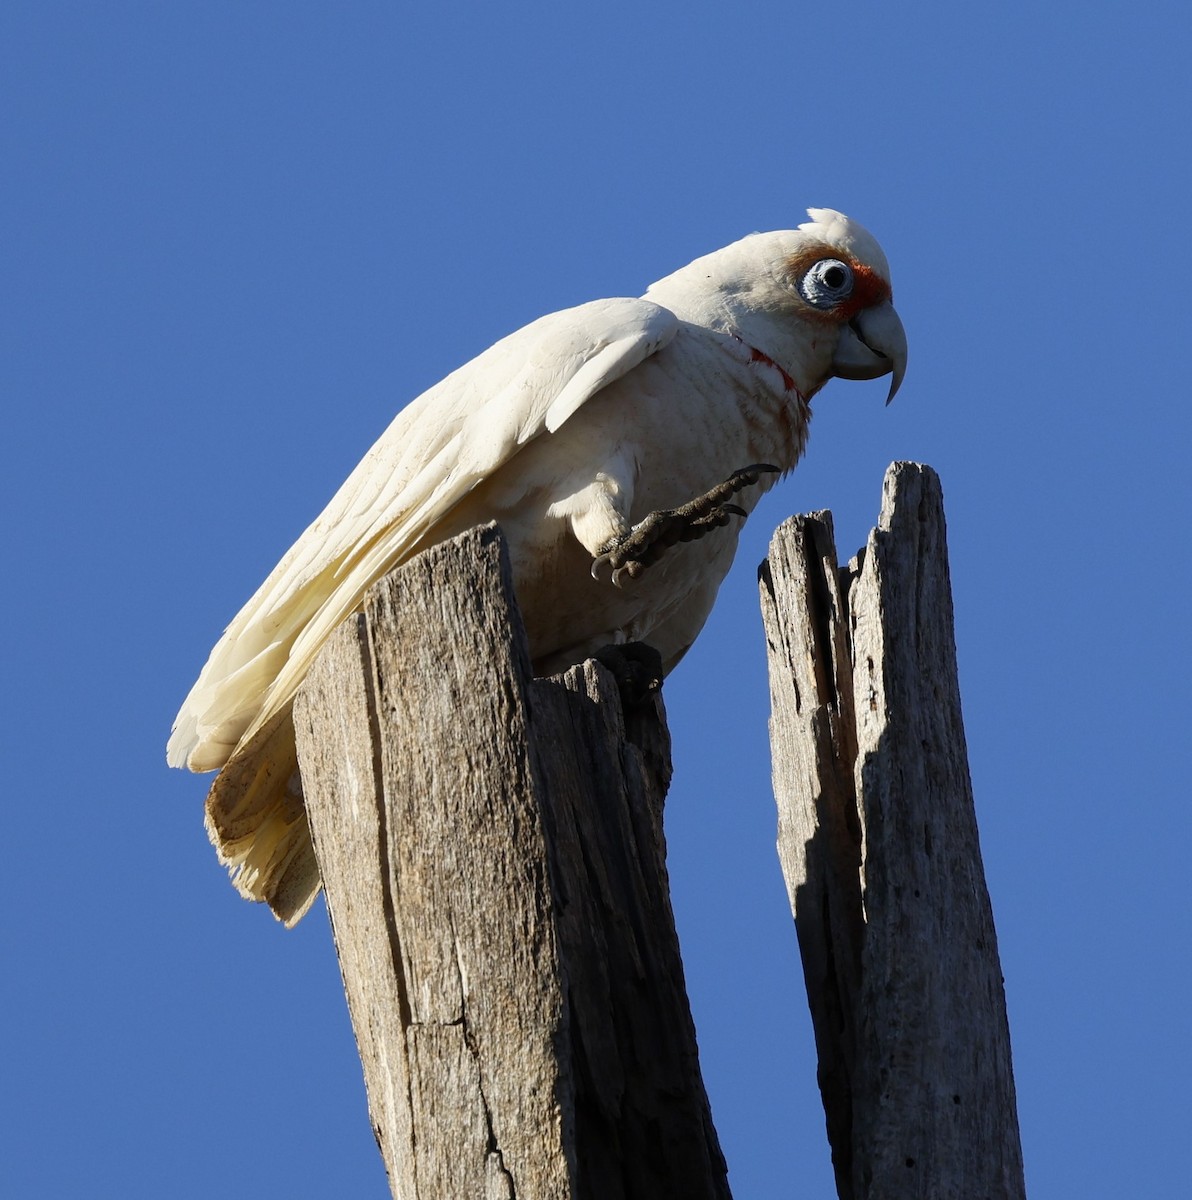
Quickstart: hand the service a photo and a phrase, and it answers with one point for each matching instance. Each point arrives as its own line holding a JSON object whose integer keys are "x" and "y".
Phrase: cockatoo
{"x": 573, "y": 433}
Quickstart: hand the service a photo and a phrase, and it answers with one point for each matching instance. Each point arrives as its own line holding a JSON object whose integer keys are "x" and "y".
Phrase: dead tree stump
{"x": 878, "y": 842}
{"x": 492, "y": 853}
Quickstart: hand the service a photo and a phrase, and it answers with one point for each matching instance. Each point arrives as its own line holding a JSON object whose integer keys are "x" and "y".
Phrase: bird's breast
{"x": 665, "y": 433}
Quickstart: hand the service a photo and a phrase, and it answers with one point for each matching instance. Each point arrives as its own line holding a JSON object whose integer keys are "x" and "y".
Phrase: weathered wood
{"x": 491, "y": 849}
{"x": 813, "y": 738}
{"x": 879, "y": 846}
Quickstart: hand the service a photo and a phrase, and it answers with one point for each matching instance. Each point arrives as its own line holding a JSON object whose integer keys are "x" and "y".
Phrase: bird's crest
{"x": 838, "y": 230}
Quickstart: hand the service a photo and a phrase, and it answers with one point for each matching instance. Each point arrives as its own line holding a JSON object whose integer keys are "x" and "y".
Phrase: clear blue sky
{"x": 236, "y": 237}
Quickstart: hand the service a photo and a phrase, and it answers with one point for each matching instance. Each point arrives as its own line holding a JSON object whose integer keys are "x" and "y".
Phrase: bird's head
{"x": 816, "y": 300}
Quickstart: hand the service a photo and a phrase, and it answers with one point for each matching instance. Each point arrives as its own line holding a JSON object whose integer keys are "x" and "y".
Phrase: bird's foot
{"x": 649, "y": 539}
{"x": 637, "y": 669}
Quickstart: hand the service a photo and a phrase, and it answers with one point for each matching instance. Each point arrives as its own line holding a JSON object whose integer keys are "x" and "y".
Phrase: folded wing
{"x": 437, "y": 449}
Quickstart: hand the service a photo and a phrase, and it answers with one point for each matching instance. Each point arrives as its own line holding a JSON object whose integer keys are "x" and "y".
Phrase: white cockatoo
{"x": 569, "y": 433}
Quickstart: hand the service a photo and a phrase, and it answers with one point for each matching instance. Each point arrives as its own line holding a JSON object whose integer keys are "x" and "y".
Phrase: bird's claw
{"x": 650, "y": 538}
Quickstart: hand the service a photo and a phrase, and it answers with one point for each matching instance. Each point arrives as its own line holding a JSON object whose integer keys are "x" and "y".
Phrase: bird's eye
{"x": 827, "y": 282}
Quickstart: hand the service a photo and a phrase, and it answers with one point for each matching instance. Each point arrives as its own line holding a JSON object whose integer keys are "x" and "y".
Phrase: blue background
{"x": 236, "y": 237}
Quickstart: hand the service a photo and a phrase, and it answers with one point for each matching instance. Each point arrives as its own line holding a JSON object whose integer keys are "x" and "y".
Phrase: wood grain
{"x": 492, "y": 853}
{"x": 879, "y": 845}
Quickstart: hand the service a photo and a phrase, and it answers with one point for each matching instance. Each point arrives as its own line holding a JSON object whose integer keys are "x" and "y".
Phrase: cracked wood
{"x": 879, "y": 846}
{"x": 492, "y": 853}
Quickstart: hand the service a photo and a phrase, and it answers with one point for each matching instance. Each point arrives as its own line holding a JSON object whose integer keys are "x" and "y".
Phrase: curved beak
{"x": 872, "y": 344}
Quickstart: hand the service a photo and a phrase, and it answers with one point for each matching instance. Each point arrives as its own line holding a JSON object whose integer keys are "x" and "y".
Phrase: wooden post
{"x": 492, "y": 853}
{"x": 878, "y": 842}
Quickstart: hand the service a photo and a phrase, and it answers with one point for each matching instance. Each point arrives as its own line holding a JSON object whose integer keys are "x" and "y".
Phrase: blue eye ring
{"x": 826, "y": 283}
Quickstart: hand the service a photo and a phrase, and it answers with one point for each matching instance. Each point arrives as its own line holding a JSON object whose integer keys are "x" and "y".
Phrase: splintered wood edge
{"x": 423, "y": 750}
{"x": 927, "y": 1025}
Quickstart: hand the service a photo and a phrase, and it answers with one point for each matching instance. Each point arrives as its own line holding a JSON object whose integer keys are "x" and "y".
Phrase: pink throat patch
{"x": 757, "y": 356}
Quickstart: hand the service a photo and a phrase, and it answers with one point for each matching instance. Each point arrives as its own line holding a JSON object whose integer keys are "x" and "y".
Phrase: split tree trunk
{"x": 878, "y": 842}
{"x": 492, "y": 853}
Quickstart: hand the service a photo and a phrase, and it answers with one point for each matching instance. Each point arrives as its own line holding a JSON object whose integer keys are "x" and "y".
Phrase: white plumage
{"x": 568, "y": 432}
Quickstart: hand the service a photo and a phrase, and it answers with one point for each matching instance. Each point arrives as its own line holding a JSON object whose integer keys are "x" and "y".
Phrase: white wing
{"x": 437, "y": 449}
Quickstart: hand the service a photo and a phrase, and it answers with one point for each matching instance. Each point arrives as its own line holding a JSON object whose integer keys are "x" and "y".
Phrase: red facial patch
{"x": 869, "y": 288}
